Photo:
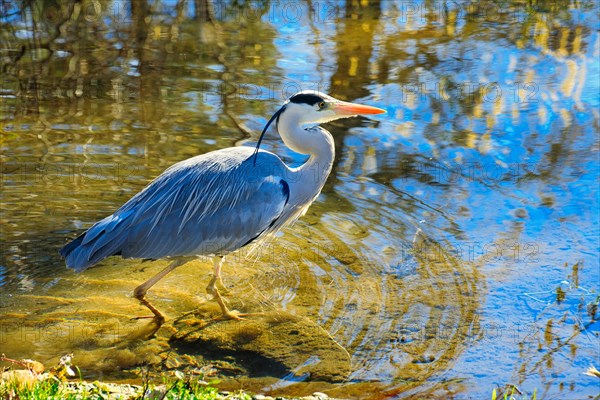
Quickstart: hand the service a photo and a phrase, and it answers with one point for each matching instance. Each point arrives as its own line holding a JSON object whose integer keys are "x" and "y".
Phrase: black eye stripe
{"x": 305, "y": 98}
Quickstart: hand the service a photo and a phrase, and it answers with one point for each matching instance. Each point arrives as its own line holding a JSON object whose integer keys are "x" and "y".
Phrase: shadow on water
{"x": 453, "y": 248}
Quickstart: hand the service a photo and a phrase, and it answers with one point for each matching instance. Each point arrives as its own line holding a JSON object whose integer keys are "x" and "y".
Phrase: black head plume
{"x": 273, "y": 118}
{"x": 306, "y": 98}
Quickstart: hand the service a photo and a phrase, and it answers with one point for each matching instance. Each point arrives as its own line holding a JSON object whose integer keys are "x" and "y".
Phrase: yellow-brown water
{"x": 453, "y": 249}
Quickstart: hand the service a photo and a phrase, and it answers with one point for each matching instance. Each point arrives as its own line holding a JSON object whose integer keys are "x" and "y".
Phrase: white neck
{"x": 314, "y": 141}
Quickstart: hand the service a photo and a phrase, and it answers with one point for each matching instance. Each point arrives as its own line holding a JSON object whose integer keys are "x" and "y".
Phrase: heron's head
{"x": 313, "y": 107}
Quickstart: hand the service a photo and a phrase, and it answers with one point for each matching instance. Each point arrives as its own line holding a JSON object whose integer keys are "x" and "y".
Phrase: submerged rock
{"x": 266, "y": 344}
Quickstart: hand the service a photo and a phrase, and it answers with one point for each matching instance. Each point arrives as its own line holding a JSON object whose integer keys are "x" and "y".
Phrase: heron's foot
{"x": 157, "y": 317}
{"x": 226, "y": 313}
{"x": 231, "y": 314}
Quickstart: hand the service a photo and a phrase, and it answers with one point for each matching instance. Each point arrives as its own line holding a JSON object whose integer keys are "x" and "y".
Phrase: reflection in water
{"x": 454, "y": 247}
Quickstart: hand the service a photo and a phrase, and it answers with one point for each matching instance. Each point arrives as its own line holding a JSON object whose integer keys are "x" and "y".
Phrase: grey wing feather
{"x": 210, "y": 204}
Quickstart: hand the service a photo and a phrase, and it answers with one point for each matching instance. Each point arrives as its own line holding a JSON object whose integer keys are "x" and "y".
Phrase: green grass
{"x": 46, "y": 389}
{"x": 186, "y": 390}
{"x": 31, "y": 380}
{"x": 52, "y": 388}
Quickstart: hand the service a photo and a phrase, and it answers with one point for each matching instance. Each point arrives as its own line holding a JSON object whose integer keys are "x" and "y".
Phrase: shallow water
{"x": 453, "y": 249}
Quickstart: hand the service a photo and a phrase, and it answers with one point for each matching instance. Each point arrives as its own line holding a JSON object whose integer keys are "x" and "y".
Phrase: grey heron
{"x": 216, "y": 203}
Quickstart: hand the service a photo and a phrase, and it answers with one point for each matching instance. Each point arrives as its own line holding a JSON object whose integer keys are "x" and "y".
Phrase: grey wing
{"x": 211, "y": 204}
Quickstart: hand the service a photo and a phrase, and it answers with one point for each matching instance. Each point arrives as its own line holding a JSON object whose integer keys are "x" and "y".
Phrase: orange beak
{"x": 344, "y": 108}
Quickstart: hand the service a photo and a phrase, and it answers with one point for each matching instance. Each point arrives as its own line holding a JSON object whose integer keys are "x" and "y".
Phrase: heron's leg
{"x": 212, "y": 288}
{"x": 216, "y": 279}
{"x": 140, "y": 291}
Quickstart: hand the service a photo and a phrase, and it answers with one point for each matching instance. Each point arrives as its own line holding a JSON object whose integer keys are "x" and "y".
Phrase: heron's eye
{"x": 321, "y": 105}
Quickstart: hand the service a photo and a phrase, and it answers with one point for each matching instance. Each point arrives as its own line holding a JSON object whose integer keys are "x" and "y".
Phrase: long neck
{"x": 316, "y": 142}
